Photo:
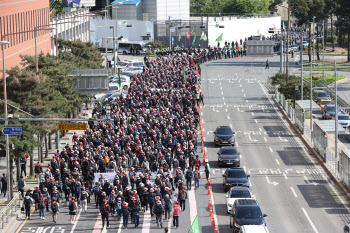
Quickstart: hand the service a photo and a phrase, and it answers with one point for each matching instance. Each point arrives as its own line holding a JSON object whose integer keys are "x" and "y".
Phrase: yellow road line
{"x": 24, "y": 222}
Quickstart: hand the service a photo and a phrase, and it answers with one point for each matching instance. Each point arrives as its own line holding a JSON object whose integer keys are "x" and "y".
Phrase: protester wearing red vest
{"x": 176, "y": 214}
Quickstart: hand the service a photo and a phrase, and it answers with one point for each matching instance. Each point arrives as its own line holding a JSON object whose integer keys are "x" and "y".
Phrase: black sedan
{"x": 235, "y": 177}
{"x": 229, "y": 156}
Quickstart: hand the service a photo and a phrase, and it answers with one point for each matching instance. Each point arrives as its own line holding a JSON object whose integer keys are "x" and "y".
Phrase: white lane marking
{"x": 214, "y": 210}
{"x": 121, "y": 224}
{"x": 201, "y": 113}
{"x": 220, "y": 84}
{"x": 260, "y": 129}
{"x": 240, "y": 85}
{"x": 76, "y": 221}
{"x": 244, "y": 168}
{"x": 265, "y": 139}
{"x": 293, "y": 191}
{"x": 256, "y": 121}
{"x": 146, "y": 222}
{"x": 252, "y": 113}
{"x": 193, "y": 205}
{"x": 221, "y": 88}
{"x": 222, "y": 93}
{"x": 273, "y": 182}
{"x": 224, "y": 103}
{"x": 283, "y": 140}
{"x": 223, "y": 98}
{"x": 236, "y": 144}
{"x": 228, "y": 117}
{"x": 277, "y": 162}
{"x": 242, "y": 90}
{"x": 246, "y": 101}
{"x": 231, "y": 126}
{"x": 285, "y": 176}
{"x": 271, "y": 150}
{"x": 225, "y": 109}
{"x": 244, "y": 95}
{"x": 253, "y": 140}
{"x": 240, "y": 156}
{"x": 308, "y": 218}
{"x": 203, "y": 129}
{"x": 204, "y": 138}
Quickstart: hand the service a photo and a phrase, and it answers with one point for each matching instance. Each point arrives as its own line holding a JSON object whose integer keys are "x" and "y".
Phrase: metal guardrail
{"x": 341, "y": 103}
{"x": 8, "y": 210}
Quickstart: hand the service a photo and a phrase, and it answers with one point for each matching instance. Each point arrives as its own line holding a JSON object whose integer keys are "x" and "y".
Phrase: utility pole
{"x": 169, "y": 34}
{"x": 288, "y": 28}
{"x": 323, "y": 49}
{"x": 281, "y": 57}
{"x": 301, "y": 59}
{"x": 336, "y": 119}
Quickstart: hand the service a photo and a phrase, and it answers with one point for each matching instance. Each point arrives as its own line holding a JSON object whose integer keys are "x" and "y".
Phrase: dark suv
{"x": 224, "y": 136}
{"x": 329, "y": 112}
{"x": 235, "y": 177}
{"x": 246, "y": 212}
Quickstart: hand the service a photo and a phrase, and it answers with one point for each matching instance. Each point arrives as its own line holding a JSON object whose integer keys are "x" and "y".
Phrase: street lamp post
{"x": 302, "y": 72}
{"x": 115, "y": 61}
{"x": 336, "y": 118}
{"x": 9, "y": 197}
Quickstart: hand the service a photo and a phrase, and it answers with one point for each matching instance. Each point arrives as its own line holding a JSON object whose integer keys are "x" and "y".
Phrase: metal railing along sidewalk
{"x": 10, "y": 209}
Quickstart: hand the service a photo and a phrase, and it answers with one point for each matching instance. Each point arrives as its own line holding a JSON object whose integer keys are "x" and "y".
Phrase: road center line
{"x": 293, "y": 191}
{"x": 271, "y": 150}
{"x": 265, "y": 139}
{"x": 277, "y": 162}
{"x": 222, "y": 93}
{"x": 252, "y": 113}
{"x": 228, "y": 117}
{"x": 256, "y": 121}
{"x": 308, "y": 218}
{"x": 285, "y": 176}
{"x": 76, "y": 221}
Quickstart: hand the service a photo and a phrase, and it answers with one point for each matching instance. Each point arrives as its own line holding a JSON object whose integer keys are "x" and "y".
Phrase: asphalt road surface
{"x": 290, "y": 186}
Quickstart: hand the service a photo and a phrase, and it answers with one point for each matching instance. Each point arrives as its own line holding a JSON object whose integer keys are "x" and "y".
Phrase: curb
{"x": 315, "y": 154}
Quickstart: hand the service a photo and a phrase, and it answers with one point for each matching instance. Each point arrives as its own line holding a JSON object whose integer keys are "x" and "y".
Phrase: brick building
{"x": 19, "y": 16}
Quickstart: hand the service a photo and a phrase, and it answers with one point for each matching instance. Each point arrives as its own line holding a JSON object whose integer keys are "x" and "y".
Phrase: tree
{"x": 56, "y": 7}
{"x": 344, "y": 21}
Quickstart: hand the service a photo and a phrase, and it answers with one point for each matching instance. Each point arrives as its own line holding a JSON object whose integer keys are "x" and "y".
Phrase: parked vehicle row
{"x": 245, "y": 213}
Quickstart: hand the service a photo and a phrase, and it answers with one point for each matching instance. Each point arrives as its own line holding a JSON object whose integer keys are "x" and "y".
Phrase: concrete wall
{"x": 134, "y": 33}
{"x": 162, "y": 9}
{"x": 21, "y": 16}
{"x": 240, "y": 28}
{"x": 65, "y": 27}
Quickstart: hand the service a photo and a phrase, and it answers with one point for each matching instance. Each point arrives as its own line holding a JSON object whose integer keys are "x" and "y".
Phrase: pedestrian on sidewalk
{"x": 159, "y": 211}
{"x": 267, "y": 66}
{"x": 189, "y": 176}
{"x": 72, "y": 210}
{"x": 197, "y": 177}
{"x": 176, "y": 215}
{"x": 41, "y": 206}
{"x": 126, "y": 212}
{"x": 38, "y": 170}
{"x": 202, "y": 98}
{"x": 168, "y": 206}
{"x": 104, "y": 209}
{"x": 3, "y": 184}
{"x": 36, "y": 196}
{"x": 54, "y": 209}
{"x": 20, "y": 185}
{"x": 183, "y": 197}
{"x": 27, "y": 202}
{"x": 23, "y": 166}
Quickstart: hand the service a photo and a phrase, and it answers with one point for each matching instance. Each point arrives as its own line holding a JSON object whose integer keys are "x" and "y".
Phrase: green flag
{"x": 104, "y": 230}
{"x": 194, "y": 40}
{"x": 119, "y": 81}
{"x": 195, "y": 226}
{"x": 192, "y": 32}
{"x": 184, "y": 74}
{"x": 202, "y": 36}
{"x": 220, "y": 37}
{"x": 179, "y": 36}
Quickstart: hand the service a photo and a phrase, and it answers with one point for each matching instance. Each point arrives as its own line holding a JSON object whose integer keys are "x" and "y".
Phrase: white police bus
{"x": 128, "y": 46}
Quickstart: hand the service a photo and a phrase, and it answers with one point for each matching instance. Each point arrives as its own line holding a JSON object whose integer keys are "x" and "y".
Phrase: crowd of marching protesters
{"x": 149, "y": 141}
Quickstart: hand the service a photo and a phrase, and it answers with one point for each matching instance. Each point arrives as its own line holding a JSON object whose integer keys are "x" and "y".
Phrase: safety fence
{"x": 285, "y": 105}
{"x": 10, "y": 209}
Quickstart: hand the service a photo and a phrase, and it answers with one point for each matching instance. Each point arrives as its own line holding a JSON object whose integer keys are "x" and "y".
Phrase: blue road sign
{"x": 172, "y": 30}
{"x": 12, "y": 130}
{"x": 172, "y": 39}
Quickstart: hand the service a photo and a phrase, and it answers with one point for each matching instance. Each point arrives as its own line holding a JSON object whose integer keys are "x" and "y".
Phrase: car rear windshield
{"x": 322, "y": 94}
{"x": 326, "y": 102}
{"x": 331, "y": 109}
{"x": 224, "y": 131}
{"x": 113, "y": 88}
{"x": 343, "y": 117}
{"x": 228, "y": 151}
{"x": 236, "y": 173}
{"x": 250, "y": 212}
{"x": 240, "y": 194}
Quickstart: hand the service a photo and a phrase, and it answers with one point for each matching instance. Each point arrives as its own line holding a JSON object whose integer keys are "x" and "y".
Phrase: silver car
{"x": 344, "y": 120}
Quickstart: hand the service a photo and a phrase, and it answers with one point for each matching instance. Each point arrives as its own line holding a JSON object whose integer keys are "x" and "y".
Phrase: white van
{"x": 254, "y": 229}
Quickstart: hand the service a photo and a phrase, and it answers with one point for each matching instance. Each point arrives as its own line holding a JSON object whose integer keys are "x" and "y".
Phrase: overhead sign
{"x": 12, "y": 130}
{"x": 72, "y": 126}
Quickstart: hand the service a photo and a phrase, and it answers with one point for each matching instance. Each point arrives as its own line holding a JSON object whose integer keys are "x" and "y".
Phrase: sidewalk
{"x": 12, "y": 225}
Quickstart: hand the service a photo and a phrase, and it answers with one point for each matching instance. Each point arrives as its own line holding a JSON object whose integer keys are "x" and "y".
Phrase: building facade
{"x": 18, "y": 21}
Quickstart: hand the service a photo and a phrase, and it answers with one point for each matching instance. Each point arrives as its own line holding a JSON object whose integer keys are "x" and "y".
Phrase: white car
{"x": 125, "y": 82}
{"x": 344, "y": 120}
{"x": 237, "y": 192}
{"x": 132, "y": 71}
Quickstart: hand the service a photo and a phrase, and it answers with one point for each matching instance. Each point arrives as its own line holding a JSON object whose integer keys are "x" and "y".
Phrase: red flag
{"x": 188, "y": 35}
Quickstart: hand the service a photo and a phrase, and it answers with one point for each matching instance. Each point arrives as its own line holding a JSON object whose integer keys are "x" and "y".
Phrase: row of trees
{"x": 215, "y": 7}
{"x": 318, "y": 10}
{"x": 48, "y": 94}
